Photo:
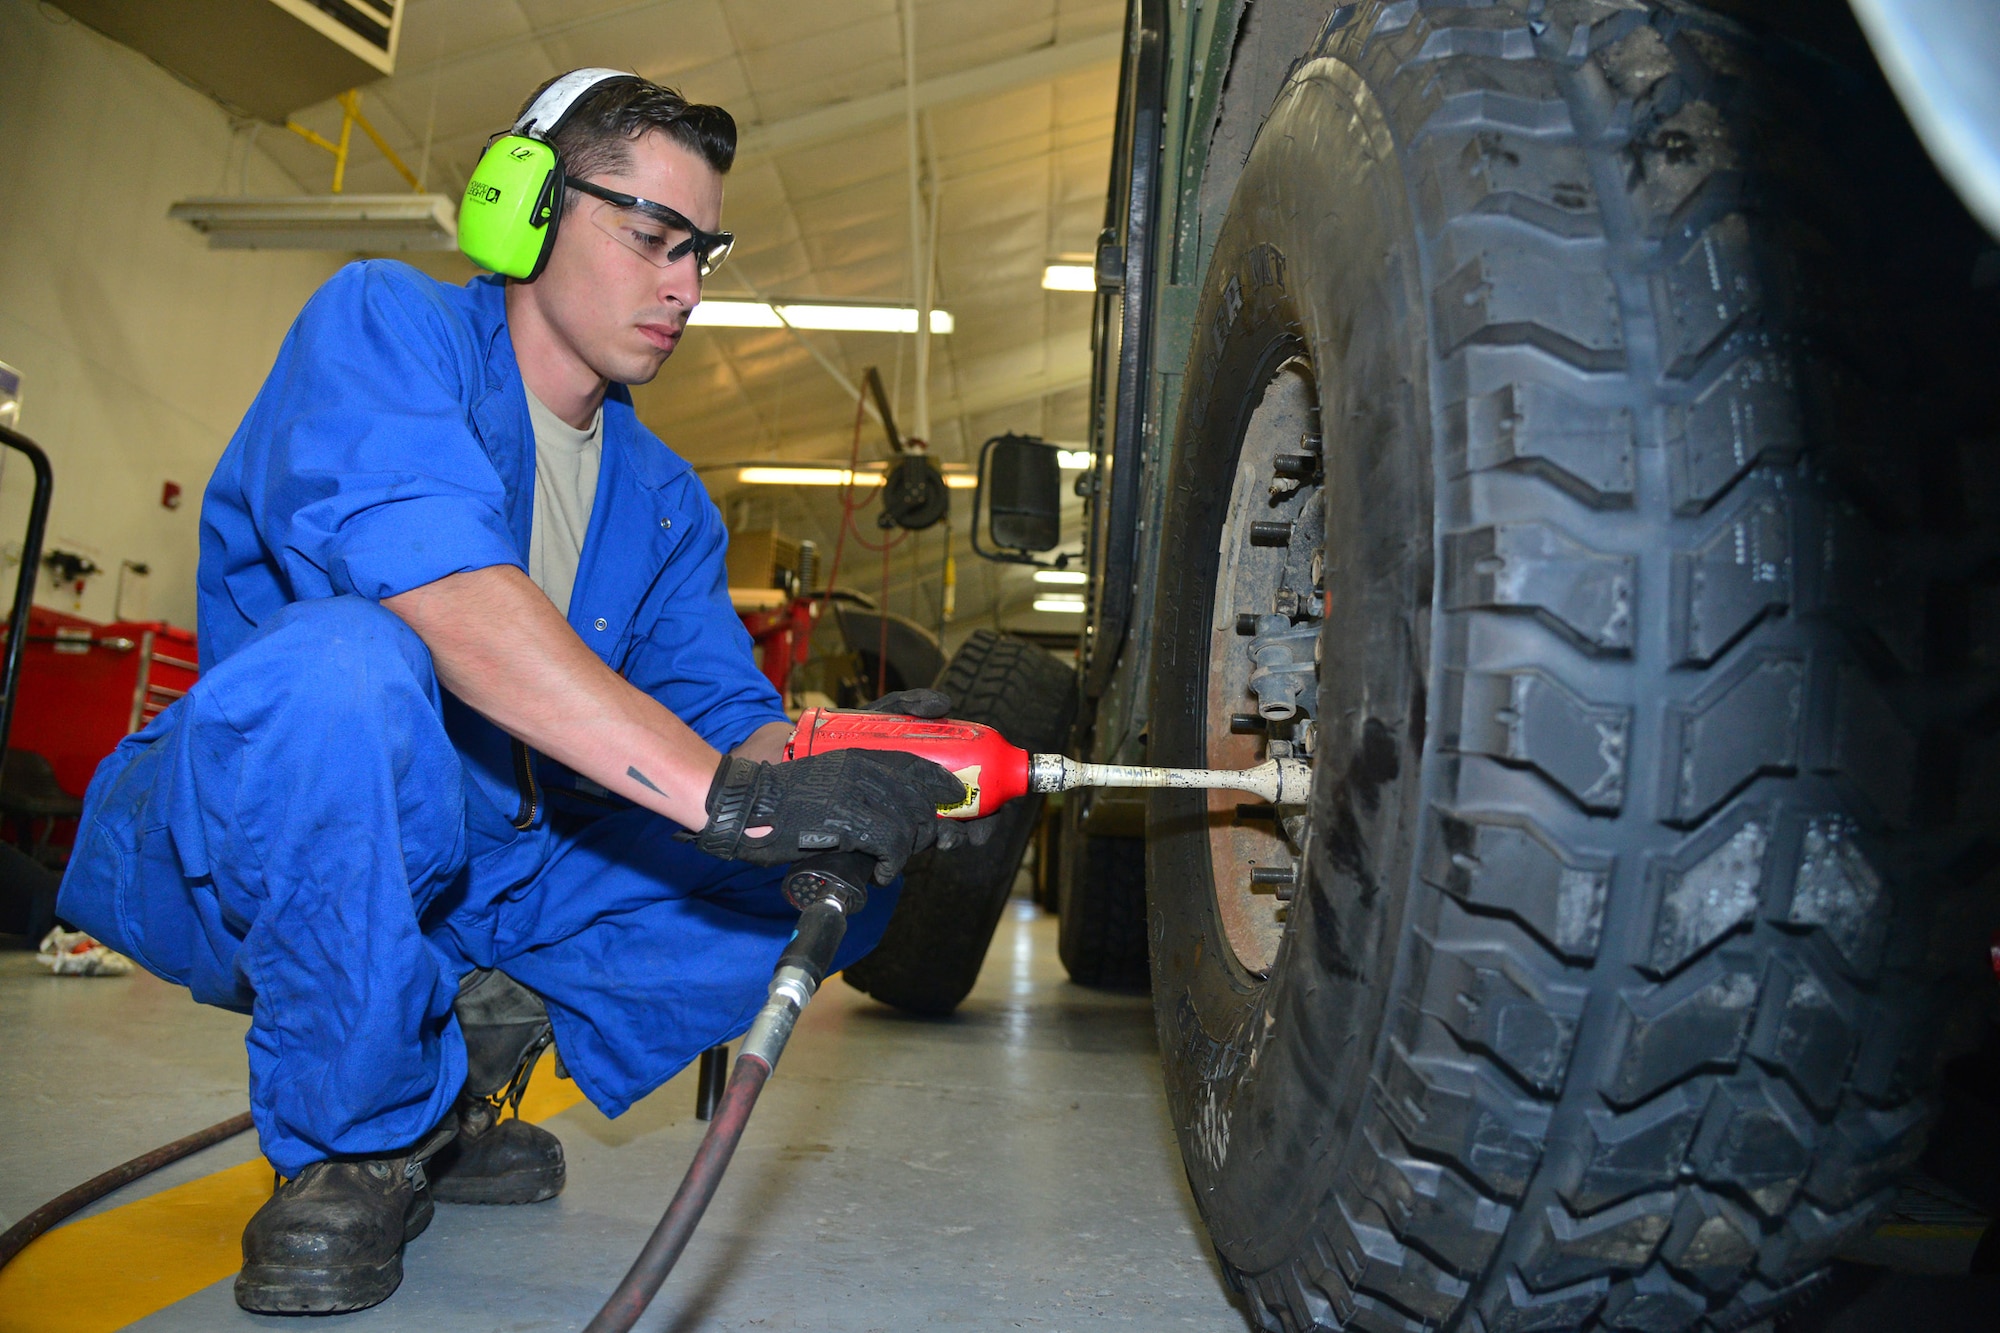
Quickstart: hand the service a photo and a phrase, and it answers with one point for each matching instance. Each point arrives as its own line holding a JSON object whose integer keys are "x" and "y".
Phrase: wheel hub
{"x": 1264, "y": 659}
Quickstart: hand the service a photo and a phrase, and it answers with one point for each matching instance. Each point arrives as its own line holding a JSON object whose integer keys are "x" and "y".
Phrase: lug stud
{"x": 1298, "y": 467}
{"x": 1282, "y": 880}
{"x": 1271, "y": 533}
{"x": 1246, "y": 724}
{"x": 1246, "y": 624}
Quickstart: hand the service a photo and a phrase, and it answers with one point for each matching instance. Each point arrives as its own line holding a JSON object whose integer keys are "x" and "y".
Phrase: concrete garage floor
{"x": 1010, "y": 1168}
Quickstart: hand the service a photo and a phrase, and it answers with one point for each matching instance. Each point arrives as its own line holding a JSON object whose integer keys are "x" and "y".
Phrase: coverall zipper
{"x": 531, "y": 793}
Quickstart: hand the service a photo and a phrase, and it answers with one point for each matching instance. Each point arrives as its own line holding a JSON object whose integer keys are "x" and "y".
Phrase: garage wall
{"x": 139, "y": 348}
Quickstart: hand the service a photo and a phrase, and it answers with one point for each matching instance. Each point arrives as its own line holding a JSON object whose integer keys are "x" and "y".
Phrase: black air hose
{"x": 17, "y": 1237}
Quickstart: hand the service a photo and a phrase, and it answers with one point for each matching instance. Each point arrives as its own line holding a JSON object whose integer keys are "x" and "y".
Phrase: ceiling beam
{"x": 1007, "y": 392}
{"x": 843, "y": 118}
{"x": 538, "y": 33}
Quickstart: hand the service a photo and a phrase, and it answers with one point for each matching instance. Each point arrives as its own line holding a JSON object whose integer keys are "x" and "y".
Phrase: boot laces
{"x": 508, "y": 1098}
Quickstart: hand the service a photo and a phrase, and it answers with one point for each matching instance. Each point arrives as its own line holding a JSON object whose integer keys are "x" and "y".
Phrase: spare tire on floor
{"x": 937, "y": 939}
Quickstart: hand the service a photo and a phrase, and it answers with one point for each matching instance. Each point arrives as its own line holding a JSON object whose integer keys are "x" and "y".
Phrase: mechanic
{"x": 470, "y": 674}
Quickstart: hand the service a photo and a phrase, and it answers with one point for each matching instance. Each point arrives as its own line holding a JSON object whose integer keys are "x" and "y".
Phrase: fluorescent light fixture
{"x": 724, "y": 313}
{"x": 863, "y": 318}
{"x": 804, "y": 476}
{"x": 1061, "y": 576}
{"x": 1069, "y": 605}
{"x": 378, "y": 222}
{"x": 1069, "y": 278}
{"x": 809, "y": 475}
{"x": 1075, "y": 460}
{"x": 734, "y": 314}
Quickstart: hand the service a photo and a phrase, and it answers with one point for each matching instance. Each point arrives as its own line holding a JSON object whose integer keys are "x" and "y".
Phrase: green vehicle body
{"x": 1176, "y": 63}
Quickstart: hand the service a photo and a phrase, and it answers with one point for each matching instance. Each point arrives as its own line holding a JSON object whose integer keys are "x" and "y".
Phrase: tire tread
{"x": 1657, "y": 1056}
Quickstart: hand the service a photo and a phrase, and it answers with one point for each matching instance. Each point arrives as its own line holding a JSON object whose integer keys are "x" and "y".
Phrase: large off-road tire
{"x": 1647, "y": 570}
{"x": 914, "y": 657}
{"x": 937, "y": 937}
{"x": 1101, "y": 902}
{"x": 1047, "y": 844}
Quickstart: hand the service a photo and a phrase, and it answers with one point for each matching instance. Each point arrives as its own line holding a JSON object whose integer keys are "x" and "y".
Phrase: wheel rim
{"x": 1271, "y": 673}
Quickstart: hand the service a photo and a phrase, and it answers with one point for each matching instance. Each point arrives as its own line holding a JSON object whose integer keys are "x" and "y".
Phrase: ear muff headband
{"x": 513, "y": 203}
{"x": 546, "y": 114}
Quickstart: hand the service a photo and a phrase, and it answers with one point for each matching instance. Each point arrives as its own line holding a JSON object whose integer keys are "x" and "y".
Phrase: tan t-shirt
{"x": 566, "y": 461}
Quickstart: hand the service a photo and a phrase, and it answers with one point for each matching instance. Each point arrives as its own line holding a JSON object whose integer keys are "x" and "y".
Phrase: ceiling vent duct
{"x": 268, "y": 57}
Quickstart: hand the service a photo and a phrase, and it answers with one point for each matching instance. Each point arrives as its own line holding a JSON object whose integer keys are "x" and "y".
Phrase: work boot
{"x": 331, "y": 1238}
{"x": 494, "y": 1158}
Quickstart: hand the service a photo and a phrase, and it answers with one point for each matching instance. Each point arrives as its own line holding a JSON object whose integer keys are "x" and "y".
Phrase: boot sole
{"x": 270, "y": 1289}
{"x": 516, "y": 1187}
{"x": 277, "y": 1289}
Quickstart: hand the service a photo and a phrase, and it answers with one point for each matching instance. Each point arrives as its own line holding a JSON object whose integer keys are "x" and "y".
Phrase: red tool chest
{"x": 86, "y": 686}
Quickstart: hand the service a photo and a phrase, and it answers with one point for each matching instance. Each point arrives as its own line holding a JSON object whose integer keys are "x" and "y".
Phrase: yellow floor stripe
{"x": 116, "y": 1268}
{"x": 548, "y": 1095}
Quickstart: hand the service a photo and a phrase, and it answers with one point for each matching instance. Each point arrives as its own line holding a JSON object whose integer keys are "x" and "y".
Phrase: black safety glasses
{"x": 654, "y": 232}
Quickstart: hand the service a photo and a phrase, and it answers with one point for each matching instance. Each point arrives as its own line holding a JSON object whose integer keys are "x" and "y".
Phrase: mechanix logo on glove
{"x": 880, "y": 802}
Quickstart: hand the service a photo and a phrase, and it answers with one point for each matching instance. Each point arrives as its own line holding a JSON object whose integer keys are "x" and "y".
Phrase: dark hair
{"x": 598, "y": 133}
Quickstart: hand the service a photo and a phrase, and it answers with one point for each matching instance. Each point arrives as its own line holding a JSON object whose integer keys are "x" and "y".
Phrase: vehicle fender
{"x": 1943, "y": 59}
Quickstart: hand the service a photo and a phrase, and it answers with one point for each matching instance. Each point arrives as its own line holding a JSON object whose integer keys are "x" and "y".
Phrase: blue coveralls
{"x": 319, "y": 836}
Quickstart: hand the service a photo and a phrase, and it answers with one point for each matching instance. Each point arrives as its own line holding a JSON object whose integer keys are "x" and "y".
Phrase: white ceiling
{"x": 1019, "y": 99}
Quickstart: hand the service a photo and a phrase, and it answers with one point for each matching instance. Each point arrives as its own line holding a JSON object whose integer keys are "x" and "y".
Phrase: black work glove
{"x": 912, "y": 703}
{"x": 964, "y": 832}
{"x": 883, "y": 803}
{"x": 935, "y": 703}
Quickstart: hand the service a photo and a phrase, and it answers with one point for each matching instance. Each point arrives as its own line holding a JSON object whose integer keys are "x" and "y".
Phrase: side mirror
{"x": 1020, "y": 496}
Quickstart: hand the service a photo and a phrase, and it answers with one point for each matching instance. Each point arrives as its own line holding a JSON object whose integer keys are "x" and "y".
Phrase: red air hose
{"x": 825, "y": 888}
{"x": 670, "y": 1237}
{"x": 848, "y": 508}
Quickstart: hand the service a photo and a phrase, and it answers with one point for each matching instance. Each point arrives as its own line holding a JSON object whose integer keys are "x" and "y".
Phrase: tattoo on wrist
{"x": 643, "y": 780}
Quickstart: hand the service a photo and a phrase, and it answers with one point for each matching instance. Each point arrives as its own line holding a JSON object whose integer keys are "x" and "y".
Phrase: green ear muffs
{"x": 507, "y": 222}
{"x": 513, "y": 203}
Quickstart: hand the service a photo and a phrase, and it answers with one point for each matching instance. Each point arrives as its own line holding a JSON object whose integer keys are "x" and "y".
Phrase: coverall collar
{"x": 632, "y": 533}
{"x": 654, "y": 467}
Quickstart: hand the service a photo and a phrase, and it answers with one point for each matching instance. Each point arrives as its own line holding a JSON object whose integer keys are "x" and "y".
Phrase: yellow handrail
{"x": 350, "y": 116}
{"x": 312, "y": 136}
{"x": 340, "y": 157}
{"x": 352, "y": 101}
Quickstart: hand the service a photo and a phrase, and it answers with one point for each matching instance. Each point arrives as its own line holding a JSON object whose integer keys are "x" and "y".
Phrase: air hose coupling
{"x": 792, "y": 988}
{"x": 826, "y": 889}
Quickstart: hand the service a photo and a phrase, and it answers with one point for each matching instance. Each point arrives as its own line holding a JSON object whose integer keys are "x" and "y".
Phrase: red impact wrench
{"x": 995, "y": 772}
